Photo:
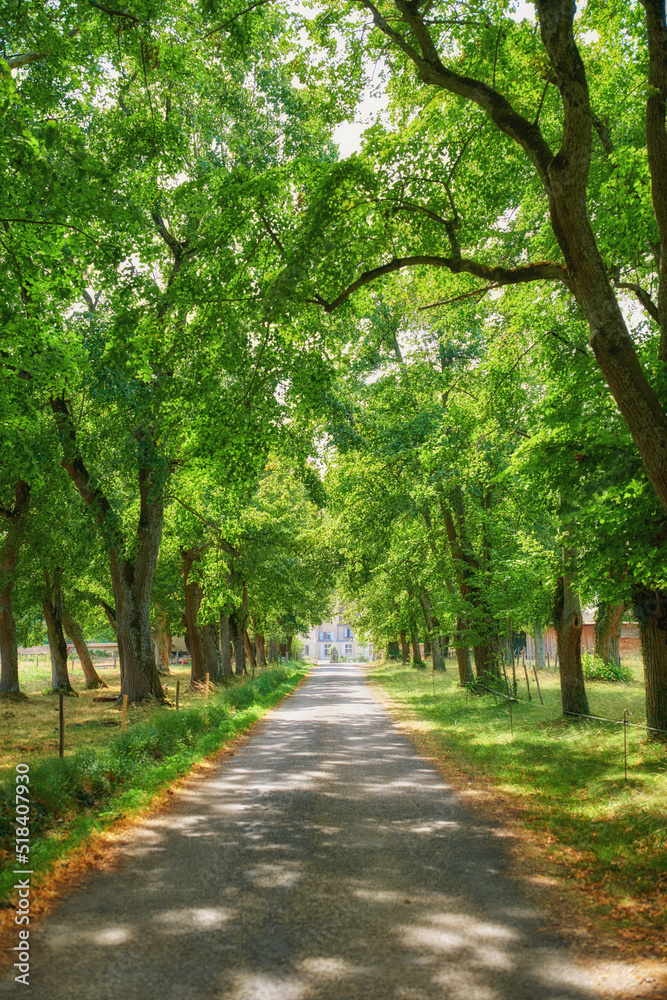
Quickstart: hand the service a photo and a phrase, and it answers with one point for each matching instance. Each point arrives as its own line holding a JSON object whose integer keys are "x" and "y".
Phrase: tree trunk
{"x": 9, "y": 675}
{"x": 608, "y": 631}
{"x": 74, "y": 631}
{"x": 193, "y": 598}
{"x": 289, "y": 646}
{"x": 538, "y": 636}
{"x": 428, "y": 647}
{"x": 162, "y": 641}
{"x": 416, "y": 652}
{"x": 132, "y": 560}
{"x": 569, "y": 627}
{"x": 485, "y": 662}
{"x": 9, "y": 659}
{"x": 249, "y": 652}
{"x": 432, "y": 625}
{"x": 405, "y": 649}
{"x": 52, "y": 606}
{"x": 236, "y": 632}
{"x": 273, "y": 650}
{"x": 651, "y": 609}
{"x": 212, "y": 658}
{"x": 225, "y": 650}
{"x": 466, "y": 678}
{"x": 261, "y": 649}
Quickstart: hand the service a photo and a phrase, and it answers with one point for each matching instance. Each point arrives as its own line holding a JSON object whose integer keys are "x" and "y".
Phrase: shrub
{"x": 596, "y": 670}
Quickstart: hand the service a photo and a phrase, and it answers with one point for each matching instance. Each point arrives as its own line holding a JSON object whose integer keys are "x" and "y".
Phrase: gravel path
{"x": 326, "y": 859}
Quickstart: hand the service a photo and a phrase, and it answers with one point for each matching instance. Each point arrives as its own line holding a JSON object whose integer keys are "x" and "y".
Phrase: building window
{"x": 348, "y": 649}
{"x": 327, "y": 647}
{"x": 347, "y": 633}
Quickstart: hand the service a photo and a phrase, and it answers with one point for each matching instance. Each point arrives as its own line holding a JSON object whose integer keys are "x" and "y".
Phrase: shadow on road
{"x": 327, "y": 859}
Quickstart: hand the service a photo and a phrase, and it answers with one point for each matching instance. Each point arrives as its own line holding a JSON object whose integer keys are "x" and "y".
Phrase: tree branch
{"x": 431, "y": 70}
{"x": 643, "y": 297}
{"x": 246, "y": 10}
{"x": 540, "y": 271}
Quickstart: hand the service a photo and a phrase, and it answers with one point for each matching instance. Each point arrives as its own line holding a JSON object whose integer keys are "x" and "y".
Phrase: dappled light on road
{"x": 325, "y": 860}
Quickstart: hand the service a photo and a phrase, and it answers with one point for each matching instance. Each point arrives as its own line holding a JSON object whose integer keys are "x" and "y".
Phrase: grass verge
{"x": 84, "y": 793}
{"x": 607, "y": 836}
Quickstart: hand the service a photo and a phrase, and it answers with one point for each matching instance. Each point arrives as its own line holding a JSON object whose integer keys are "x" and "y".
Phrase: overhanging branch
{"x": 497, "y": 275}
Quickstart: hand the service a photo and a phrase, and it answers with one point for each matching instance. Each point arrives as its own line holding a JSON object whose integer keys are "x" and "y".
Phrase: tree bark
{"x": 416, "y": 652}
{"x": 74, "y": 631}
{"x": 225, "y": 646}
{"x": 466, "y": 678}
{"x": 486, "y": 664}
{"x": 236, "y": 632}
{"x": 261, "y": 649}
{"x": 249, "y": 652}
{"x": 212, "y": 657}
{"x": 9, "y": 660}
{"x": 650, "y": 607}
{"x": 52, "y": 606}
{"x": 273, "y": 650}
{"x": 161, "y": 640}
{"x": 405, "y": 649}
{"x": 569, "y": 627}
{"x": 608, "y": 631}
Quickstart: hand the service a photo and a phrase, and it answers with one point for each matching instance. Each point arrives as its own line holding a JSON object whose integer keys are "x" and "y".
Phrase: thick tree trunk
{"x": 405, "y": 649}
{"x": 289, "y": 645}
{"x": 273, "y": 650}
{"x": 249, "y": 651}
{"x": 587, "y": 271}
{"x": 236, "y": 632}
{"x": 225, "y": 646}
{"x": 538, "y": 636}
{"x": 261, "y": 649}
{"x": 569, "y": 627}
{"x": 608, "y": 631}
{"x": 131, "y": 574}
{"x": 161, "y": 640}
{"x": 486, "y": 664}
{"x": 74, "y": 631}
{"x": 9, "y": 676}
{"x": 9, "y": 550}
{"x": 466, "y": 677}
{"x": 212, "y": 657}
{"x": 416, "y": 652}
{"x": 52, "y": 606}
{"x": 651, "y": 609}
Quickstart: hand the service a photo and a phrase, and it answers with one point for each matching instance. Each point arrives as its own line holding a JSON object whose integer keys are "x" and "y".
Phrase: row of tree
{"x": 471, "y": 312}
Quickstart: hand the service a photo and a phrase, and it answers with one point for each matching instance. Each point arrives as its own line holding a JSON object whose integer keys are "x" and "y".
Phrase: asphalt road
{"x": 326, "y": 859}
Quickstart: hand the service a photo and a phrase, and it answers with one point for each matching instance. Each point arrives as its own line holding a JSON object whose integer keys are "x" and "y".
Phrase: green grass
{"x": 567, "y": 774}
{"x": 87, "y": 790}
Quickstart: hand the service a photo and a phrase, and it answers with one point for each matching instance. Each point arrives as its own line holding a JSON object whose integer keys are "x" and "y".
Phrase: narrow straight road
{"x": 326, "y": 860}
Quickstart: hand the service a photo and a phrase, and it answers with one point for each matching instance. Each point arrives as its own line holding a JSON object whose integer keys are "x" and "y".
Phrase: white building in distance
{"x": 335, "y": 641}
